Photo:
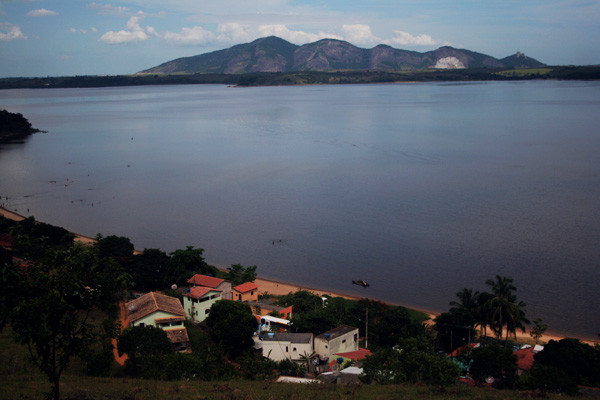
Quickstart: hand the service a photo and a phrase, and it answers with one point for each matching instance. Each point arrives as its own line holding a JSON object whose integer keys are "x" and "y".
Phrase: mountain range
{"x": 273, "y": 54}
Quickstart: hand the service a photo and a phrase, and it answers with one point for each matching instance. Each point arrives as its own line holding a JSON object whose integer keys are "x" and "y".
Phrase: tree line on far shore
{"x": 59, "y": 300}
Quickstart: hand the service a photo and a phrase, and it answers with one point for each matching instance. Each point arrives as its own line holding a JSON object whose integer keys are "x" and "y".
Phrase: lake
{"x": 419, "y": 189}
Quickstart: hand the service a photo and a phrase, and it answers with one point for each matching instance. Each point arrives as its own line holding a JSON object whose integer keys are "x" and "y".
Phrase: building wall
{"x": 281, "y": 350}
{"x": 341, "y": 344}
{"x": 148, "y": 320}
{"x": 226, "y": 290}
{"x": 248, "y": 296}
{"x": 197, "y": 309}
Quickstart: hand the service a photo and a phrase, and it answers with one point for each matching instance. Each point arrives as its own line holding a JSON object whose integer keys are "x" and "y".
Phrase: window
{"x": 295, "y": 349}
{"x": 142, "y": 324}
{"x": 344, "y": 341}
{"x": 286, "y": 349}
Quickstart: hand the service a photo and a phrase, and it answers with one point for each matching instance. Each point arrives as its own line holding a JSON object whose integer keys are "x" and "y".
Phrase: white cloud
{"x": 359, "y": 34}
{"x": 402, "y": 38}
{"x": 10, "y": 32}
{"x": 298, "y": 37}
{"x": 109, "y": 9}
{"x": 134, "y": 33}
{"x": 42, "y": 12}
{"x": 195, "y": 35}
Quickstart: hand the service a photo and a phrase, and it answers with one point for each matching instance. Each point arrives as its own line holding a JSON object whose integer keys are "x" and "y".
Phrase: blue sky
{"x": 77, "y": 37}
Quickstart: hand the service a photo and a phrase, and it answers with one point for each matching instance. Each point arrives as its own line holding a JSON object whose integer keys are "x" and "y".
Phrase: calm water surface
{"x": 420, "y": 189}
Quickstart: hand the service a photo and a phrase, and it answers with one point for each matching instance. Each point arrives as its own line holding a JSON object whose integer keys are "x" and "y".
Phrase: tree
{"x": 239, "y": 274}
{"x": 315, "y": 321}
{"x": 232, "y": 325}
{"x": 183, "y": 264}
{"x": 302, "y": 300}
{"x": 578, "y": 360}
{"x": 146, "y": 347}
{"x": 538, "y": 330}
{"x": 114, "y": 246}
{"x": 503, "y": 309}
{"x": 412, "y": 360}
{"x": 495, "y": 361}
{"x": 395, "y": 324}
{"x": 454, "y": 328}
{"x": 148, "y": 269}
{"x": 51, "y": 304}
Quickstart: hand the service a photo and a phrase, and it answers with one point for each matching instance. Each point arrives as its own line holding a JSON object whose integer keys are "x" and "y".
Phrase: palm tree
{"x": 502, "y": 309}
{"x": 467, "y": 301}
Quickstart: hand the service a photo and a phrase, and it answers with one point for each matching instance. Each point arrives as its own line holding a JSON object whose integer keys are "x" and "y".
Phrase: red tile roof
{"x": 205, "y": 280}
{"x": 465, "y": 349}
{"x": 198, "y": 291}
{"x": 355, "y": 355}
{"x": 245, "y": 287}
{"x": 177, "y": 335}
{"x": 524, "y": 358}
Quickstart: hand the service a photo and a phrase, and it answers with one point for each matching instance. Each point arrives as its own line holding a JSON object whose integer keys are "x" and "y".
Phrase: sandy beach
{"x": 282, "y": 288}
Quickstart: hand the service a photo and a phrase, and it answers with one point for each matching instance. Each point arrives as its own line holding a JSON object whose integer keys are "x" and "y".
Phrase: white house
{"x": 198, "y": 301}
{"x": 160, "y": 311}
{"x": 279, "y": 346}
{"x": 342, "y": 339}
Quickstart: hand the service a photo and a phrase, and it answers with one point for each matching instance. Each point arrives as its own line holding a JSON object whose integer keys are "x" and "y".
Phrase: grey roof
{"x": 289, "y": 337}
{"x": 337, "y": 332}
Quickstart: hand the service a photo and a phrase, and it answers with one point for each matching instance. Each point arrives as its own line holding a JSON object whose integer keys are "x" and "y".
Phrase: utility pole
{"x": 367, "y": 329}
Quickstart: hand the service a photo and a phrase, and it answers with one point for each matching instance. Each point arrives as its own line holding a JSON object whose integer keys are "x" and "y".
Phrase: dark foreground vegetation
{"x": 59, "y": 326}
{"x": 309, "y": 77}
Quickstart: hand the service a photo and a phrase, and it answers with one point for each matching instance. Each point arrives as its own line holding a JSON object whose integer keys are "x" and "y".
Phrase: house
{"x": 6, "y": 241}
{"x": 525, "y": 357}
{"x": 161, "y": 311}
{"x": 245, "y": 292}
{"x": 198, "y": 301}
{"x": 342, "y": 339}
{"x": 213, "y": 283}
{"x": 291, "y": 346}
{"x": 267, "y": 307}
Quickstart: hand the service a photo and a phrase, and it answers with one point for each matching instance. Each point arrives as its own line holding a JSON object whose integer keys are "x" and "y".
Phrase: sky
{"x": 41, "y": 38}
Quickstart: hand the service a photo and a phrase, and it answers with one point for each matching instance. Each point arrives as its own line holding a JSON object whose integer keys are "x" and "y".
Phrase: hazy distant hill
{"x": 273, "y": 54}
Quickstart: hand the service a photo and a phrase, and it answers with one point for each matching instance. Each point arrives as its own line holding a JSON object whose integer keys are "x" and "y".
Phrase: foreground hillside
{"x": 273, "y": 54}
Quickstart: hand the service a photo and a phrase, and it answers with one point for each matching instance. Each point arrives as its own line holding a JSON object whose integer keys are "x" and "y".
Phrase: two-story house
{"x": 198, "y": 301}
{"x": 245, "y": 292}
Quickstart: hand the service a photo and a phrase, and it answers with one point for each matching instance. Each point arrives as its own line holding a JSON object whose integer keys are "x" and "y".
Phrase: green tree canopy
{"x": 232, "y": 325}
{"x": 302, "y": 300}
{"x": 149, "y": 269}
{"x": 411, "y": 360}
{"x": 578, "y": 360}
{"x": 239, "y": 274}
{"x": 495, "y": 361}
{"x": 145, "y": 346}
{"x": 183, "y": 264}
{"x": 51, "y": 301}
{"x": 114, "y": 246}
{"x": 393, "y": 325}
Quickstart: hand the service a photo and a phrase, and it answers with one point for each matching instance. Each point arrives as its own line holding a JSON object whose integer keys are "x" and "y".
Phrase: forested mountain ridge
{"x": 273, "y": 54}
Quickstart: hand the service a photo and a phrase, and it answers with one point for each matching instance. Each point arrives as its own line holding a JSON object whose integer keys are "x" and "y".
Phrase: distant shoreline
{"x": 276, "y": 287}
{"x": 588, "y": 72}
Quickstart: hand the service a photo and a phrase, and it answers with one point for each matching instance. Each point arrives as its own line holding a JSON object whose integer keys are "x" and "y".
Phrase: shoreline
{"x": 278, "y": 288}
